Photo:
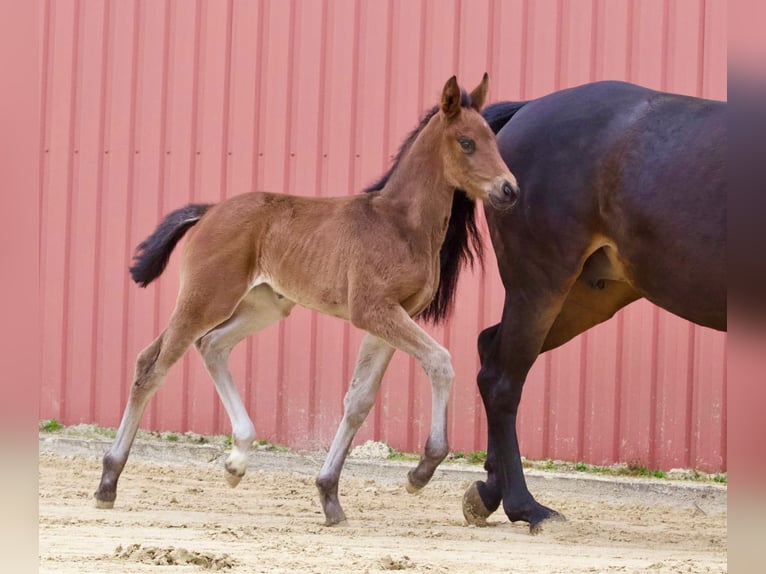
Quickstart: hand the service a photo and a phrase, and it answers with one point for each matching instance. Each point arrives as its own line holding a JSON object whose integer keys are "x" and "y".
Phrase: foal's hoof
{"x": 233, "y": 479}
{"x": 415, "y": 484}
{"x": 474, "y": 511}
{"x": 413, "y": 488}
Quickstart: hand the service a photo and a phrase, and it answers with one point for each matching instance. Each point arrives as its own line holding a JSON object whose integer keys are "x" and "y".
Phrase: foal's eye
{"x": 467, "y": 145}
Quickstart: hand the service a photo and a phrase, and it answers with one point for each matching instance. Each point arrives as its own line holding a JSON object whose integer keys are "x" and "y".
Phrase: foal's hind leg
{"x": 374, "y": 356}
{"x": 151, "y": 366}
{"x": 197, "y": 310}
{"x": 259, "y": 309}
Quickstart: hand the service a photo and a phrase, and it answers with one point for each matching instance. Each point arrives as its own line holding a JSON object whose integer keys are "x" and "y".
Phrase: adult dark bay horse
{"x": 372, "y": 259}
{"x": 623, "y": 196}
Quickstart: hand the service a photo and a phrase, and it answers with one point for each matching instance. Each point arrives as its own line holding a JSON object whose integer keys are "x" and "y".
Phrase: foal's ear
{"x": 479, "y": 94}
{"x": 450, "y": 104}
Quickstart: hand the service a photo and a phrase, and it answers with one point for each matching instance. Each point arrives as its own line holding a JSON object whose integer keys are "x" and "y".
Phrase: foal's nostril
{"x": 508, "y": 191}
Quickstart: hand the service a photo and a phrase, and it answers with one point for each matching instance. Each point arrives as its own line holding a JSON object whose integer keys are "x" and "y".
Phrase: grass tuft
{"x": 50, "y": 425}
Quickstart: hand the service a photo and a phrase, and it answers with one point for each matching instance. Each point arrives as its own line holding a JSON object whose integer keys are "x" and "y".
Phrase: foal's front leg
{"x": 399, "y": 330}
{"x": 374, "y": 356}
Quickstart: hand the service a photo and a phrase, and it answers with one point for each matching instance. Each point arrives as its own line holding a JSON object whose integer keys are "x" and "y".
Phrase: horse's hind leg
{"x": 374, "y": 356}
{"x": 151, "y": 366}
{"x": 205, "y": 304}
{"x": 259, "y": 309}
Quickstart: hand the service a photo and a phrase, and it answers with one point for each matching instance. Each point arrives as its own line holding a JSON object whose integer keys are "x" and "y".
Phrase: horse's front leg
{"x": 374, "y": 356}
{"x": 507, "y": 352}
{"x": 398, "y": 329}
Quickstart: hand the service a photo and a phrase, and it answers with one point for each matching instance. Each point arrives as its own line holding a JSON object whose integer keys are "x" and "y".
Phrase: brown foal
{"x": 372, "y": 259}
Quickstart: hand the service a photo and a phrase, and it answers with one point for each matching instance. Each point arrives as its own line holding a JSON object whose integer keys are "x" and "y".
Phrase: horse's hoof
{"x": 474, "y": 511}
{"x": 336, "y": 520}
{"x": 105, "y": 504}
{"x": 336, "y": 523}
{"x": 538, "y": 526}
{"x": 411, "y": 487}
{"x": 233, "y": 479}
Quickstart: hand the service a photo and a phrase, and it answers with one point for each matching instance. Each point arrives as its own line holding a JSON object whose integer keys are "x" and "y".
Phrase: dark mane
{"x": 462, "y": 243}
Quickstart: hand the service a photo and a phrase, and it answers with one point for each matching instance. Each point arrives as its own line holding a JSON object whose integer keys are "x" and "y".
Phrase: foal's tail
{"x": 497, "y": 115}
{"x": 153, "y": 253}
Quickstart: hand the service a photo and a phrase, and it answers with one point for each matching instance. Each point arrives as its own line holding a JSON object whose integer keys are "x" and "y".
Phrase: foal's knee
{"x": 438, "y": 366}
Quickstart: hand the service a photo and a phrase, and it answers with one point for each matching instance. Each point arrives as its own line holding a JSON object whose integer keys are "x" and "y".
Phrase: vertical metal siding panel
{"x": 473, "y": 61}
{"x": 374, "y": 69}
{"x": 252, "y": 391}
{"x": 638, "y": 366}
{"x": 683, "y": 53}
{"x": 505, "y": 83}
{"x": 100, "y": 386}
{"x": 274, "y": 121}
{"x": 577, "y": 33}
{"x": 675, "y": 349}
{"x": 547, "y": 422}
{"x": 478, "y": 38}
{"x": 48, "y": 394}
{"x": 508, "y": 82}
{"x": 142, "y": 190}
{"x": 614, "y": 40}
{"x": 211, "y": 46}
{"x": 714, "y": 74}
{"x": 85, "y": 216}
{"x": 144, "y": 207}
{"x": 403, "y": 110}
{"x": 541, "y": 50}
{"x": 334, "y": 176}
{"x": 244, "y": 69}
{"x": 49, "y": 403}
{"x": 302, "y": 156}
{"x": 115, "y": 368}
{"x": 648, "y": 22}
{"x": 150, "y": 178}
{"x": 600, "y": 417}
{"x": 634, "y": 401}
{"x": 56, "y": 205}
{"x": 531, "y": 420}
{"x": 599, "y": 394}
{"x": 562, "y": 388}
{"x": 178, "y": 189}
{"x": 673, "y": 360}
{"x": 167, "y": 408}
{"x": 709, "y": 409}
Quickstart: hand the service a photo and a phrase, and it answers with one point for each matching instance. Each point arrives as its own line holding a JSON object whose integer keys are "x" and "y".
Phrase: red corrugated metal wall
{"x": 148, "y": 105}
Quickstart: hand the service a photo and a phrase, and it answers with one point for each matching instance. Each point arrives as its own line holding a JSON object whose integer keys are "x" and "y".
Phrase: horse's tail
{"x": 153, "y": 253}
{"x": 497, "y": 115}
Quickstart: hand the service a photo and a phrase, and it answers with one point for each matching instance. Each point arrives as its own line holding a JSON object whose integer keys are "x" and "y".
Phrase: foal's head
{"x": 471, "y": 158}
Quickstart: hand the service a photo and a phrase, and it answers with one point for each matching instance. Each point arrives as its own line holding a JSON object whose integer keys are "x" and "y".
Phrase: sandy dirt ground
{"x": 175, "y": 513}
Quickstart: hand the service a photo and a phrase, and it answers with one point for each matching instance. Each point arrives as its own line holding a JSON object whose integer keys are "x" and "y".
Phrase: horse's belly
{"x": 328, "y": 301}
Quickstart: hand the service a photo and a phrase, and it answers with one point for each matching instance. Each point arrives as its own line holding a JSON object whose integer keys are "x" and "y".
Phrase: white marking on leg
{"x": 259, "y": 309}
{"x": 374, "y": 356}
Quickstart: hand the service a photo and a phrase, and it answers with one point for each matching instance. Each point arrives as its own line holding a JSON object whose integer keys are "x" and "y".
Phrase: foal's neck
{"x": 418, "y": 186}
